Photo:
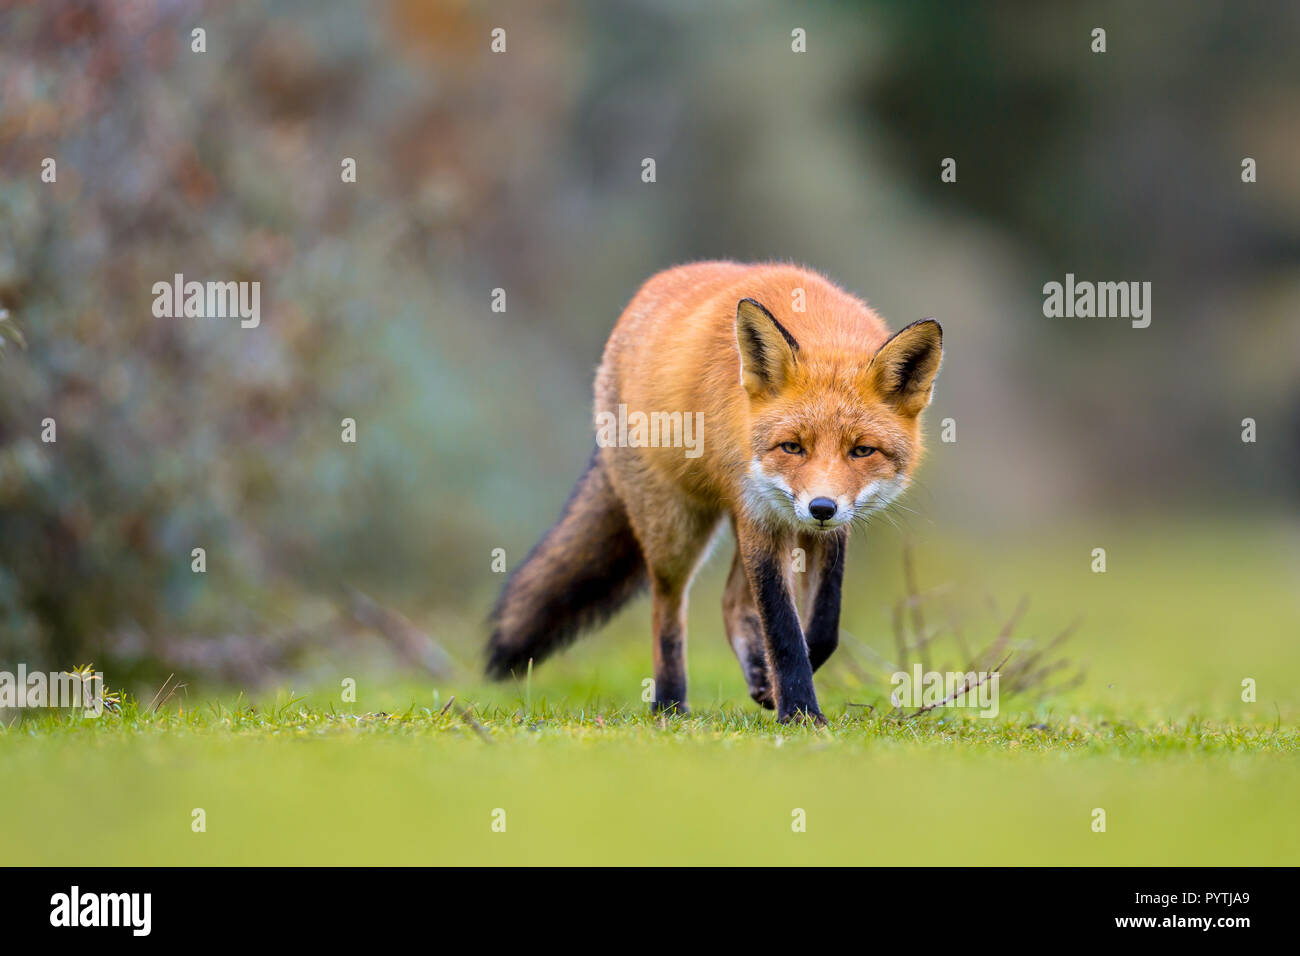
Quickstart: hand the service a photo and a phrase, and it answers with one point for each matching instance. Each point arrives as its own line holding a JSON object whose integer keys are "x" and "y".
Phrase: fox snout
{"x": 823, "y": 509}
{"x": 822, "y": 512}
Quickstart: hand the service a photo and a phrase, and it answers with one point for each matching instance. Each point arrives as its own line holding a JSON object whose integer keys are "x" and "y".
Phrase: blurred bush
{"x": 182, "y": 433}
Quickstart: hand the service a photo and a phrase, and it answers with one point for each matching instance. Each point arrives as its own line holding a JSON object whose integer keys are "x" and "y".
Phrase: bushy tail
{"x": 582, "y": 571}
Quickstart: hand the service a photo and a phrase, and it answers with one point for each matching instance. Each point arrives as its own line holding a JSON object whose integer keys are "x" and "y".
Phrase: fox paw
{"x": 810, "y": 715}
{"x": 670, "y": 708}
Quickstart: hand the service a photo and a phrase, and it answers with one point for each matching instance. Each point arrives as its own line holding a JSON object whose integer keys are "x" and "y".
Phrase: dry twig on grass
{"x": 1023, "y": 666}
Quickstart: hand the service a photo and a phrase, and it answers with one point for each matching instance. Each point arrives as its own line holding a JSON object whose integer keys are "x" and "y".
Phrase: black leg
{"x": 786, "y": 652}
{"x": 824, "y": 629}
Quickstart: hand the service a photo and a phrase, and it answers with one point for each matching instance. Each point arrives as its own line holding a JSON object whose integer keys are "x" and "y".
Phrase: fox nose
{"x": 823, "y": 509}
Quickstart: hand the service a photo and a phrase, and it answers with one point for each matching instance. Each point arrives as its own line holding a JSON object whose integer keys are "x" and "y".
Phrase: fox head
{"x": 835, "y": 432}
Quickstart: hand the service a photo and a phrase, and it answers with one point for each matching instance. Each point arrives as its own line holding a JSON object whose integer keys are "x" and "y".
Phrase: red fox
{"x": 810, "y": 415}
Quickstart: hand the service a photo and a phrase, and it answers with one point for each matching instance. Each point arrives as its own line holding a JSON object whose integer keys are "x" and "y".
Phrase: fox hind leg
{"x": 673, "y": 539}
{"x": 745, "y": 633}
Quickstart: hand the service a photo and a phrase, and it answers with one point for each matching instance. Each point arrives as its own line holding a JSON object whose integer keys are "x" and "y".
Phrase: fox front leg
{"x": 787, "y": 654}
{"x": 823, "y": 632}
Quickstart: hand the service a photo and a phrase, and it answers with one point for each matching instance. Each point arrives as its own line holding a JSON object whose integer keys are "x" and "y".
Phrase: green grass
{"x": 1157, "y": 736}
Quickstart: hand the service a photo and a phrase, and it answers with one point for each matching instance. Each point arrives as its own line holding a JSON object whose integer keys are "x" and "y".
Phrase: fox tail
{"x": 585, "y": 568}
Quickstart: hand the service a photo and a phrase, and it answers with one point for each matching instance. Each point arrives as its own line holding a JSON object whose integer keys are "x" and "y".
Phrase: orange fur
{"x": 804, "y": 412}
{"x": 674, "y": 348}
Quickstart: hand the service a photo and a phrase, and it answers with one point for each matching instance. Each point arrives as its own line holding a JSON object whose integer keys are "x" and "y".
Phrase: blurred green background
{"x": 521, "y": 171}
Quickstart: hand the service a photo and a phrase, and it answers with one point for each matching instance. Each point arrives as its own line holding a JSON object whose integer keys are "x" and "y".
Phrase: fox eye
{"x": 862, "y": 451}
{"x": 791, "y": 447}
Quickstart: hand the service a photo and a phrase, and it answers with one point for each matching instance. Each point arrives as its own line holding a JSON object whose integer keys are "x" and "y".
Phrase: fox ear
{"x": 767, "y": 350}
{"x": 903, "y": 369}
